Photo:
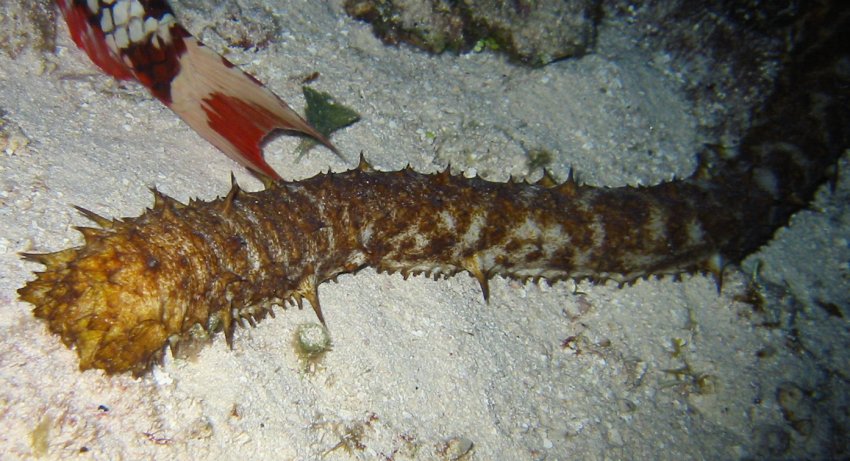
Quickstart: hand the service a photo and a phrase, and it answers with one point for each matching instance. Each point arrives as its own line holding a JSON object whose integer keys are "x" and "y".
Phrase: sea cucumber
{"x": 139, "y": 283}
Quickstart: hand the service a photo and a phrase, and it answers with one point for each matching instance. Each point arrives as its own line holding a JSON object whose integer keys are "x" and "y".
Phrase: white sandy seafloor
{"x": 420, "y": 368}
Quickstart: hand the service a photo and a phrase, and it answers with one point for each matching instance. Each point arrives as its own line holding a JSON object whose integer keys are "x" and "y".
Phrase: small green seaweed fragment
{"x": 350, "y": 434}
{"x": 678, "y": 344}
{"x": 350, "y": 439}
{"x": 539, "y": 159}
{"x": 754, "y": 291}
{"x": 691, "y": 381}
{"x": 312, "y": 341}
{"x": 326, "y": 116}
{"x": 686, "y": 377}
{"x": 486, "y": 44}
{"x": 39, "y": 437}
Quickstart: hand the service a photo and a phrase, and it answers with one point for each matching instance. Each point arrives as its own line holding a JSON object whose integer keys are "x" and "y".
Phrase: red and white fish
{"x": 141, "y": 40}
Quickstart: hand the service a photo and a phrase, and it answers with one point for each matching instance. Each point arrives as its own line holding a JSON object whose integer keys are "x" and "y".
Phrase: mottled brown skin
{"x": 139, "y": 282}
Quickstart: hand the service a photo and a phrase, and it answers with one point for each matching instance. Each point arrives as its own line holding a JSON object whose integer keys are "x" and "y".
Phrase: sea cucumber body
{"x": 139, "y": 283}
